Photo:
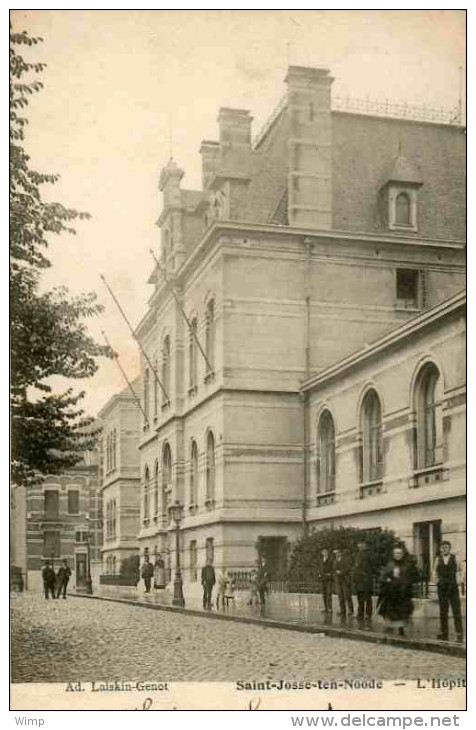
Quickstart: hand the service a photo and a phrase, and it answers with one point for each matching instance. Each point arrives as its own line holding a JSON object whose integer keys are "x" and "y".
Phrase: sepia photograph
{"x": 238, "y": 360}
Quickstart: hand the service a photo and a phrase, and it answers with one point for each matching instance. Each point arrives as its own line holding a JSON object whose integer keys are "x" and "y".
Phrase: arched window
{"x": 193, "y": 473}
{"x": 146, "y": 397}
{"x": 156, "y": 489}
{"x": 210, "y": 491}
{"x": 429, "y": 417}
{"x": 166, "y": 482}
{"x": 146, "y": 493}
{"x": 166, "y": 370}
{"x": 192, "y": 350}
{"x": 403, "y": 210}
{"x": 326, "y": 461}
{"x": 372, "y": 452}
{"x": 210, "y": 335}
{"x": 114, "y": 565}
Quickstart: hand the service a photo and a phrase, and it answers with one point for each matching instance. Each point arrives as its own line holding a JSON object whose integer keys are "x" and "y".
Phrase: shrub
{"x": 306, "y": 552}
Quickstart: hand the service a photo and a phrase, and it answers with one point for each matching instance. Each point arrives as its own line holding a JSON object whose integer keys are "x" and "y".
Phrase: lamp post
{"x": 177, "y": 513}
{"x": 89, "y": 582}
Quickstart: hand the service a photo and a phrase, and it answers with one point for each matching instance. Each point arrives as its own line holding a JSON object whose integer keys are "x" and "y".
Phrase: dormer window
{"x": 402, "y": 208}
{"x": 399, "y": 194}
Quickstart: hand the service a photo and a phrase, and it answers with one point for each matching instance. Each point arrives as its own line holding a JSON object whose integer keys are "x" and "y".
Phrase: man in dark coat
{"x": 326, "y": 575}
{"x": 49, "y": 579}
{"x": 363, "y": 581}
{"x": 342, "y": 573}
{"x": 208, "y": 581}
{"x": 445, "y": 575}
{"x": 64, "y": 574}
{"x": 147, "y": 573}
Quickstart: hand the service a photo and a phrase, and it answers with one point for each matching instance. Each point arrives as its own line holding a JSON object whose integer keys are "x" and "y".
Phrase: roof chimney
{"x": 235, "y": 127}
{"x": 310, "y": 147}
{"x": 209, "y": 152}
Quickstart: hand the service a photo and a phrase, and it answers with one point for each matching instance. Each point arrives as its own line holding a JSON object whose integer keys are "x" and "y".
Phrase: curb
{"x": 430, "y": 645}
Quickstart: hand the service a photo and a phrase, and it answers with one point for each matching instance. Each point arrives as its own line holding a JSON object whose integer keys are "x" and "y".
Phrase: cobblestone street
{"x": 85, "y": 639}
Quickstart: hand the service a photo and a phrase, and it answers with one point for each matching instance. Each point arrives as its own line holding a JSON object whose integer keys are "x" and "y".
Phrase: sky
{"x": 125, "y": 89}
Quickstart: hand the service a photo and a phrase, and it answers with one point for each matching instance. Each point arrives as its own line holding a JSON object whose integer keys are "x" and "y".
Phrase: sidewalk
{"x": 300, "y": 612}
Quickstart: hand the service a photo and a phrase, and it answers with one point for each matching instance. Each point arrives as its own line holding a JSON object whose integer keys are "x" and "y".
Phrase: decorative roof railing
{"x": 373, "y": 107}
{"x": 398, "y": 110}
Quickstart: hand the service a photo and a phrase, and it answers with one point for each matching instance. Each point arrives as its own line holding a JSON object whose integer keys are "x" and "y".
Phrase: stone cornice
{"x": 411, "y": 328}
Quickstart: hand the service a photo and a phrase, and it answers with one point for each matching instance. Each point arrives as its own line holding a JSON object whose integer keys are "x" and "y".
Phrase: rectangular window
{"x": 73, "y": 502}
{"x": 51, "y": 544}
{"x": 51, "y": 503}
{"x": 407, "y": 288}
{"x": 210, "y": 550}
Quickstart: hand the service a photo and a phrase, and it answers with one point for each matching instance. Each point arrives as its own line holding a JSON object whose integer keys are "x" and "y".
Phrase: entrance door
{"x": 81, "y": 570}
{"x": 427, "y": 539}
{"x": 273, "y": 550}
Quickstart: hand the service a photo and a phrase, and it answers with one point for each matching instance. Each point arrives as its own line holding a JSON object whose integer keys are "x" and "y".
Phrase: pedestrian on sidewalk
{"x": 262, "y": 580}
{"x": 64, "y": 574}
{"x": 446, "y": 575}
{"x": 363, "y": 575}
{"x": 49, "y": 580}
{"x": 254, "y": 594}
{"x": 208, "y": 581}
{"x": 147, "y": 573}
{"x": 159, "y": 572}
{"x": 326, "y": 575}
{"x": 342, "y": 573}
{"x": 221, "y": 589}
{"x": 395, "y": 603}
{"x": 229, "y": 589}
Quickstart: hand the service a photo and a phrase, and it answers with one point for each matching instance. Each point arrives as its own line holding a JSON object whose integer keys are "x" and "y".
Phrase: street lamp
{"x": 177, "y": 514}
{"x": 89, "y": 582}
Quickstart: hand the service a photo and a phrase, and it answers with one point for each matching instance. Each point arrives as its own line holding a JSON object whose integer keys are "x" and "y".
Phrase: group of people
{"x": 338, "y": 572}
{"x": 155, "y": 572}
{"x": 55, "y": 583}
{"x": 341, "y": 573}
{"x": 226, "y": 586}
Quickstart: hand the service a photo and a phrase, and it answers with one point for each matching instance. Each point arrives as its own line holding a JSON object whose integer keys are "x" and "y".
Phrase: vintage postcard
{"x": 258, "y": 502}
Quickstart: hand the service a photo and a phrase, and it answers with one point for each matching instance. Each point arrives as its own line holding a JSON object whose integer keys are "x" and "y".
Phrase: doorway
{"x": 274, "y": 552}
{"x": 426, "y": 541}
{"x": 81, "y": 570}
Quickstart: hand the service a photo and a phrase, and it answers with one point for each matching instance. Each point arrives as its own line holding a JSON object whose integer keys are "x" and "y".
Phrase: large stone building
{"x": 59, "y": 519}
{"x": 328, "y": 231}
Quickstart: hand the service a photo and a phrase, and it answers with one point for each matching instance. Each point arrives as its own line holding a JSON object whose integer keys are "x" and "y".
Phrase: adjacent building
{"x": 120, "y": 483}
{"x": 388, "y": 435}
{"x": 333, "y": 230}
{"x": 59, "y": 519}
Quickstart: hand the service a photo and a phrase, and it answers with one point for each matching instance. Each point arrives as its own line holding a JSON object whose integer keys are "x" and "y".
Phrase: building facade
{"x": 329, "y": 230}
{"x": 59, "y": 519}
{"x": 388, "y": 425}
{"x": 120, "y": 483}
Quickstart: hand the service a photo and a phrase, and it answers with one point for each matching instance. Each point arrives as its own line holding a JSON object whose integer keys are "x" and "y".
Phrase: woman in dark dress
{"x": 395, "y": 603}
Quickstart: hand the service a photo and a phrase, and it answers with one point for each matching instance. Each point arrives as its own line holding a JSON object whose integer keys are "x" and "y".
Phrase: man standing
{"x": 445, "y": 575}
{"x": 147, "y": 573}
{"x": 342, "y": 571}
{"x": 49, "y": 580}
{"x": 64, "y": 574}
{"x": 208, "y": 581}
{"x": 363, "y": 581}
{"x": 326, "y": 576}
